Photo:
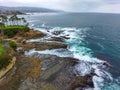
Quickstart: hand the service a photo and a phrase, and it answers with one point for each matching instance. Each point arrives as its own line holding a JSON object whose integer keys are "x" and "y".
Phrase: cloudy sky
{"x": 108, "y": 6}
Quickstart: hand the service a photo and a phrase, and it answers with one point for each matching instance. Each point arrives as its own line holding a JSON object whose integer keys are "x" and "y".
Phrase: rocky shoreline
{"x": 42, "y": 45}
{"x": 42, "y": 71}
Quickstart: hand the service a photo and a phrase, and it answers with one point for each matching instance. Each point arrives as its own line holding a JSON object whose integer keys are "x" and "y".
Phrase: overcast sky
{"x": 108, "y": 6}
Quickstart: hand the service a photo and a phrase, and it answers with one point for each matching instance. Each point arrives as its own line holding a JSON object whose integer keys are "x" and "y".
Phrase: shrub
{"x": 11, "y": 31}
{"x": 13, "y": 45}
{"x": 25, "y": 29}
{"x": 4, "y": 60}
{"x": 2, "y": 49}
{"x": 5, "y": 36}
{"x": 1, "y": 41}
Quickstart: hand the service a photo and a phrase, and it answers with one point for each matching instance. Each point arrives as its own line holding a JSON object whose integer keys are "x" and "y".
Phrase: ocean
{"x": 94, "y": 39}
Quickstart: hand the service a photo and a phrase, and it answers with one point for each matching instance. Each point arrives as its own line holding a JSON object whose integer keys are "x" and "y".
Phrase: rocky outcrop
{"x": 41, "y": 71}
{"x": 43, "y": 45}
{"x": 25, "y": 68}
{"x": 57, "y": 32}
{"x": 32, "y": 34}
{"x": 81, "y": 82}
{"x": 60, "y": 73}
{"x": 59, "y": 39}
{"x": 45, "y": 72}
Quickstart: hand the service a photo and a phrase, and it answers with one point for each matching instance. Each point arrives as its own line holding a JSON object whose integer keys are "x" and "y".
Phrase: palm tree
{"x": 2, "y": 26}
{"x": 24, "y": 21}
{"x": 11, "y": 20}
{"x": 4, "y": 18}
{"x": 2, "y": 23}
{"x": 19, "y": 21}
{"x": 14, "y": 19}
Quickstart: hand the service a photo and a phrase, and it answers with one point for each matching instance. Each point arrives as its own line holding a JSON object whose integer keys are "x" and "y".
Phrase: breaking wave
{"x": 77, "y": 48}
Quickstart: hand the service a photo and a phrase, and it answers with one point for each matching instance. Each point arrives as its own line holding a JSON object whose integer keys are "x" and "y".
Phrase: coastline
{"x": 40, "y": 71}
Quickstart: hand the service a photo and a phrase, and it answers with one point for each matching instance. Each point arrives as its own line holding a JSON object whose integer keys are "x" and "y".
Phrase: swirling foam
{"x": 77, "y": 48}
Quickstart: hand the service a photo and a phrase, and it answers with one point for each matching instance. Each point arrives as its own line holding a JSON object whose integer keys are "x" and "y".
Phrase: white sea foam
{"x": 83, "y": 68}
{"x": 98, "y": 82}
{"x": 77, "y": 49}
{"x": 57, "y": 52}
{"x": 114, "y": 85}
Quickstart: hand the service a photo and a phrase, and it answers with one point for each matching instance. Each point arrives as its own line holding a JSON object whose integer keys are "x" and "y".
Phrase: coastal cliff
{"x": 43, "y": 71}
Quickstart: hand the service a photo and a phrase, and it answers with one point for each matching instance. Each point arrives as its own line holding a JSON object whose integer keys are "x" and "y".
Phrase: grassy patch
{"x": 11, "y": 31}
{"x": 13, "y": 45}
{"x": 20, "y": 27}
{"x": 4, "y": 60}
{"x": 4, "y": 57}
{"x": 6, "y": 52}
{"x": 2, "y": 49}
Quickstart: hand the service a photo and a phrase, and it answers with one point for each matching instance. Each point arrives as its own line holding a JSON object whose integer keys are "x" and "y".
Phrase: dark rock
{"x": 60, "y": 73}
{"x": 59, "y": 39}
{"x": 81, "y": 81}
{"x": 57, "y": 32}
{"x": 43, "y": 45}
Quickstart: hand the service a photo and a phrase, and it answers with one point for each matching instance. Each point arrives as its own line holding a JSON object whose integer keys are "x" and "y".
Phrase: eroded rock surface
{"x": 45, "y": 72}
{"x": 32, "y": 34}
{"x": 42, "y": 71}
{"x": 43, "y": 45}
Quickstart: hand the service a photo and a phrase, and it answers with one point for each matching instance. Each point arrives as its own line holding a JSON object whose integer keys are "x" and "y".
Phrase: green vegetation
{"x": 14, "y": 20}
{"x": 2, "y": 49}
{"x": 4, "y": 60}
{"x": 2, "y": 23}
{"x": 11, "y": 31}
{"x": 13, "y": 45}
{"x": 2, "y": 26}
{"x": 6, "y": 52}
{"x": 12, "y": 25}
{"x": 9, "y": 27}
{"x": 4, "y": 56}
